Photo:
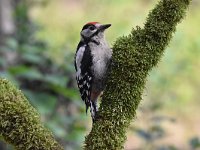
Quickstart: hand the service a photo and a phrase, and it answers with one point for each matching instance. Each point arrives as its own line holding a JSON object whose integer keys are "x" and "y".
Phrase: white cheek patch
{"x": 87, "y": 33}
{"x": 84, "y": 33}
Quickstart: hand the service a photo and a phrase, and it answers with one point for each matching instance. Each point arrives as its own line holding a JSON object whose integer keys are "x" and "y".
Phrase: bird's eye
{"x": 91, "y": 27}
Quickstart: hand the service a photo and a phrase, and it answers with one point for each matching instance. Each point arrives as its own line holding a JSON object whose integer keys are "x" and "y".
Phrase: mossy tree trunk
{"x": 20, "y": 124}
{"x": 133, "y": 57}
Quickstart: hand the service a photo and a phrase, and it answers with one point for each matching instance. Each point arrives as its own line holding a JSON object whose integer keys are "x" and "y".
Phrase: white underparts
{"x": 101, "y": 54}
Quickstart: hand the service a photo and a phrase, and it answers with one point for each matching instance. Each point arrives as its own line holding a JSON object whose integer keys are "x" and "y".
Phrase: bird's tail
{"x": 93, "y": 109}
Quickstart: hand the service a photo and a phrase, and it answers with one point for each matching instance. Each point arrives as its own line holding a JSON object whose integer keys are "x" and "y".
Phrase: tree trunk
{"x": 20, "y": 124}
{"x": 7, "y": 25}
{"x": 133, "y": 57}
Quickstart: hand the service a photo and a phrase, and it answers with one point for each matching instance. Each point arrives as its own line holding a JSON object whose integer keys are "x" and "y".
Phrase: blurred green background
{"x": 38, "y": 39}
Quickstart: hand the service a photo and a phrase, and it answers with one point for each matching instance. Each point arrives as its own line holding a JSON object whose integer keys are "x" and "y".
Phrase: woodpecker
{"x": 92, "y": 59}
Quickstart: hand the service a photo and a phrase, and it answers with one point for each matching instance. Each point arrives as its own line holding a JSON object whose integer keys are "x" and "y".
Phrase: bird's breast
{"x": 101, "y": 56}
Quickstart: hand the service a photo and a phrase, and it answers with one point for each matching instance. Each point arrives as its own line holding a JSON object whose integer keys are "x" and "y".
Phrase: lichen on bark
{"x": 133, "y": 57}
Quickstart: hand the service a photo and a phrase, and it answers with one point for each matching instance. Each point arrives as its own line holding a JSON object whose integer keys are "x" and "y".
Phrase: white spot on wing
{"x": 88, "y": 85}
{"x": 84, "y": 82}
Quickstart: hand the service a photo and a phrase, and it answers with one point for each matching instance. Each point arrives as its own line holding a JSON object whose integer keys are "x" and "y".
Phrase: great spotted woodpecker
{"x": 92, "y": 59}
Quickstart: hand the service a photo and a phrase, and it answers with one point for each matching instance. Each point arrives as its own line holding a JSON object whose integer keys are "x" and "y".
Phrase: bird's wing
{"x": 84, "y": 77}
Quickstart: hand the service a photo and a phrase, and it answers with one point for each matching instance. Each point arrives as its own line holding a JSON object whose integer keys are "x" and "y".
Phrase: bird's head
{"x": 93, "y": 31}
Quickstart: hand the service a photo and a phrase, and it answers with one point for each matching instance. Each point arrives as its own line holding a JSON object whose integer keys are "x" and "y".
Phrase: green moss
{"x": 20, "y": 124}
{"x": 133, "y": 57}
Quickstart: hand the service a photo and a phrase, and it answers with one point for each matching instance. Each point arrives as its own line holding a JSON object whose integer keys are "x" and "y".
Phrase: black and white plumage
{"x": 92, "y": 60}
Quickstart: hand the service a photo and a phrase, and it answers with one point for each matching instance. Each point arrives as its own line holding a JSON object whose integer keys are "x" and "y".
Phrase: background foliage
{"x": 38, "y": 57}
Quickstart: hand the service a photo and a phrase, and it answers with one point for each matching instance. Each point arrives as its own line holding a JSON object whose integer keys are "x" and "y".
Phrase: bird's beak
{"x": 103, "y": 27}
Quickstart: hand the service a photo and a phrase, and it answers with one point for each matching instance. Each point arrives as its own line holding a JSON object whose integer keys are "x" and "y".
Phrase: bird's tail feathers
{"x": 93, "y": 109}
